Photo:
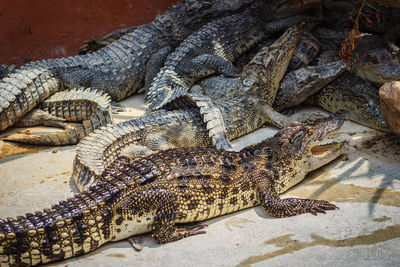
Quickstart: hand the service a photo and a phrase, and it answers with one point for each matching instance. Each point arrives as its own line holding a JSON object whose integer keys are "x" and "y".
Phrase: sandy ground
{"x": 364, "y": 183}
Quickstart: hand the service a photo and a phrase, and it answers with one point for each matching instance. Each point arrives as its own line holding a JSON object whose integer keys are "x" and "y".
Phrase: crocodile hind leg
{"x": 40, "y": 117}
{"x": 164, "y": 227}
{"x": 285, "y": 207}
{"x": 207, "y": 64}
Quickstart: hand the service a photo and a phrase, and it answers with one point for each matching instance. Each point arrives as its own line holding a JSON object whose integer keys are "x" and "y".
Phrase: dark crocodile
{"x": 243, "y": 110}
{"x": 155, "y": 193}
{"x": 88, "y": 106}
{"x": 213, "y": 48}
{"x": 117, "y": 69}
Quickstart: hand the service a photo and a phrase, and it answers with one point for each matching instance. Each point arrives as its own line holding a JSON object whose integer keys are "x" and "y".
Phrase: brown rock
{"x": 390, "y": 104}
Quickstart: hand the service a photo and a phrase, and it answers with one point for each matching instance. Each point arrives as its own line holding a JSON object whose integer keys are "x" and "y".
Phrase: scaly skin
{"x": 373, "y": 61}
{"x": 242, "y": 112}
{"x": 117, "y": 69}
{"x": 161, "y": 130}
{"x": 6, "y": 69}
{"x": 90, "y": 107}
{"x": 94, "y": 45}
{"x": 299, "y": 84}
{"x": 355, "y": 95}
{"x": 212, "y": 49}
{"x": 155, "y": 193}
{"x": 306, "y": 50}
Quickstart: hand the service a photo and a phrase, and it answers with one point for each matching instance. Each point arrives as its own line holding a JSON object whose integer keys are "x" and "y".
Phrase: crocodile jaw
{"x": 321, "y": 154}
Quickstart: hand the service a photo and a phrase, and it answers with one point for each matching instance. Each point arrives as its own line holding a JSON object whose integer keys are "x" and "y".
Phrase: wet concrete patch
{"x": 381, "y": 144}
{"x": 8, "y": 149}
{"x": 320, "y": 185}
{"x": 290, "y": 245}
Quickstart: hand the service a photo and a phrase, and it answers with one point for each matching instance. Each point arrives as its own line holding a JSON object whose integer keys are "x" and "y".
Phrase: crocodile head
{"x": 357, "y": 96}
{"x": 302, "y": 143}
{"x": 373, "y": 61}
{"x": 300, "y": 148}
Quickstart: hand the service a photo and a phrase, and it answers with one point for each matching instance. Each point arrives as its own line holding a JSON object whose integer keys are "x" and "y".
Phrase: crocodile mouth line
{"x": 323, "y": 149}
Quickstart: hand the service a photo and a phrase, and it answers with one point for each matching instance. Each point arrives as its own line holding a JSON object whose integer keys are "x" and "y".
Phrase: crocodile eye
{"x": 298, "y": 137}
{"x": 372, "y": 58}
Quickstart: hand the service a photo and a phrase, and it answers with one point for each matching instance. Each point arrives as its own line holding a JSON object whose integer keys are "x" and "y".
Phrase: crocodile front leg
{"x": 286, "y": 207}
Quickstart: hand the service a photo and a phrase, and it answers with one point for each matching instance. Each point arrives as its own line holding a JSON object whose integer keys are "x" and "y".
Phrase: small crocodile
{"x": 117, "y": 69}
{"x": 374, "y": 61}
{"x": 155, "y": 193}
{"x": 299, "y": 84}
{"x": 243, "y": 111}
{"x": 351, "y": 93}
{"x": 213, "y": 48}
{"x": 91, "y": 107}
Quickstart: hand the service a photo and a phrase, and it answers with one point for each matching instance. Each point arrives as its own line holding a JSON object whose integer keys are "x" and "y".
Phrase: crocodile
{"x": 117, "y": 69}
{"x": 374, "y": 61}
{"x": 301, "y": 83}
{"x": 351, "y": 93}
{"x": 91, "y": 107}
{"x": 157, "y": 192}
{"x": 208, "y": 110}
{"x": 242, "y": 111}
{"x": 373, "y": 58}
{"x": 212, "y": 49}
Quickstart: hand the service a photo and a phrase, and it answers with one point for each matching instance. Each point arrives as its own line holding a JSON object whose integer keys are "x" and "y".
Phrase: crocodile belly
{"x": 127, "y": 225}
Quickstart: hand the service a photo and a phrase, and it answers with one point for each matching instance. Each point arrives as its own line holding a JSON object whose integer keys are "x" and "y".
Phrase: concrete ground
{"x": 364, "y": 183}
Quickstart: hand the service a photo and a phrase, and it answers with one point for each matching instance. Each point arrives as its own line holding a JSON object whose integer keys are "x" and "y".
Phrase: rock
{"x": 390, "y": 104}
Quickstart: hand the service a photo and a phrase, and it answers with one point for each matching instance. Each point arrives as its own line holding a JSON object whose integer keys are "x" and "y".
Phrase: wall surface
{"x": 42, "y": 29}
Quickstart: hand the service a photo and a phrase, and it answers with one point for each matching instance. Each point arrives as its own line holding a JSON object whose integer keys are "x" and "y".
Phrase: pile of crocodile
{"x": 212, "y": 71}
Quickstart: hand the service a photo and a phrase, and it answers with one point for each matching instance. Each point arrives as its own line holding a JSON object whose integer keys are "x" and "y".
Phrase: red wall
{"x": 41, "y": 29}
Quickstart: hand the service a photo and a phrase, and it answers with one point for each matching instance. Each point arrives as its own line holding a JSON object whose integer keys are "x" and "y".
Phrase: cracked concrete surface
{"x": 364, "y": 183}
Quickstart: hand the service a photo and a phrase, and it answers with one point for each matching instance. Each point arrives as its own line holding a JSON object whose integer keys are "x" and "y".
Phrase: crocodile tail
{"x": 68, "y": 229}
{"x": 91, "y": 107}
{"x": 212, "y": 116}
{"x": 96, "y": 151}
{"x": 22, "y": 90}
{"x": 167, "y": 86}
{"x": 100, "y": 148}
